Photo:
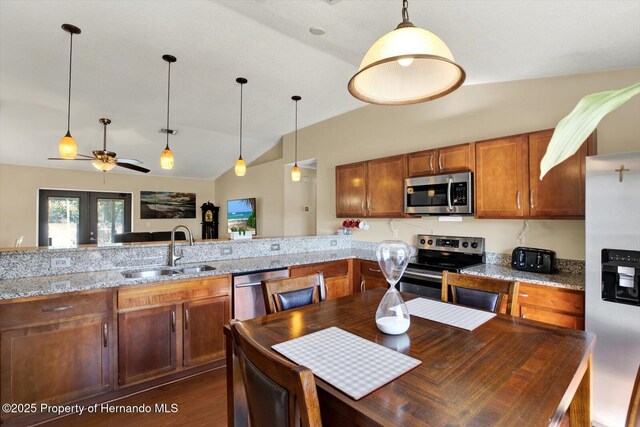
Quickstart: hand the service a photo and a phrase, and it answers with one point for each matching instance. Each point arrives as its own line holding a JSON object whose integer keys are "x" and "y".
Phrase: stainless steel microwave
{"x": 448, "y": 194}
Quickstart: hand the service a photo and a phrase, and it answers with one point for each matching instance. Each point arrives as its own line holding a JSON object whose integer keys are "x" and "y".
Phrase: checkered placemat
{"x": 449, "y": 314}
{"x": 348, "y": 362}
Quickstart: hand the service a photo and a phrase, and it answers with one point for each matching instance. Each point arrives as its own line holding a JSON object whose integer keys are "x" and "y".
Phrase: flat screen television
{"x": 241, "y": 214}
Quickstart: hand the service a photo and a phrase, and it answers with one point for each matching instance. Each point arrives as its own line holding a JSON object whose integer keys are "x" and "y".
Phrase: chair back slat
{"x": 288, "y": 293}
{"x": 505, "y": 290}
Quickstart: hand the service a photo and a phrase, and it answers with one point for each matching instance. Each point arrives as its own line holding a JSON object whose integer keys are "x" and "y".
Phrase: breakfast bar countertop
{"x": 567, "y": 280}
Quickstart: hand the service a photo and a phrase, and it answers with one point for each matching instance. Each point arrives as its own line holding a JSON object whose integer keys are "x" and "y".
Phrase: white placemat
{"x": 449, "y": 314}
{"x": 348, "y": 362}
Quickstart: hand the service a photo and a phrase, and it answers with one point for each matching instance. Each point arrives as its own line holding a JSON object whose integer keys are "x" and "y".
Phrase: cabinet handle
{"x": 173, "y": 321}
{"x": 375, "y": 270}
{"x": 364, "y": 211}
{"x": 431, "y": 162}
{"x": 105, "y": 335}
{"x": 186, "y": 318}
{"x": 362, "y": 286}
{"x": 531, "y": 198}
{"x": 518, "y": 199}
{"x": 523, "y": 295}
{"x": 369, "y": 204}
{"x": 56, "y": 309}
{"x": 440, "y": 162}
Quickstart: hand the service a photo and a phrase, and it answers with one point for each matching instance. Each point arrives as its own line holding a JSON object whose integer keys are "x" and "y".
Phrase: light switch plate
{"x": 60, "y": 262}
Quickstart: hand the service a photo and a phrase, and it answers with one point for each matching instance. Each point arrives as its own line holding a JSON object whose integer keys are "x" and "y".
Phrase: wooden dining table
{"x": 507, "y": 372}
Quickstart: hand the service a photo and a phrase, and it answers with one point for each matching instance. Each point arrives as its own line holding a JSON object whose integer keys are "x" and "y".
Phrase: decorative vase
{"x": 392, "y": 316}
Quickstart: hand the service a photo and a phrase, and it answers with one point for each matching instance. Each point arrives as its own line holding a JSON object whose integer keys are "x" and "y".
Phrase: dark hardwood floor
{"x": 201, "y": 401}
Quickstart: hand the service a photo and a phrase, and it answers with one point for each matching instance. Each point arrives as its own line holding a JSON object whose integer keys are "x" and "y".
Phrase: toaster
{"x": 534, "y": 260}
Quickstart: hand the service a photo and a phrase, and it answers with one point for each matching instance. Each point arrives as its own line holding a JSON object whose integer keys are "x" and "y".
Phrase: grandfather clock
{"x": 209, "y": 221}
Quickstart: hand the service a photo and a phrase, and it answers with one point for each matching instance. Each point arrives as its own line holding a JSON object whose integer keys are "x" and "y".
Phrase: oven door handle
{"x": 449, "y": 184}
{"x": 422, "y": 275}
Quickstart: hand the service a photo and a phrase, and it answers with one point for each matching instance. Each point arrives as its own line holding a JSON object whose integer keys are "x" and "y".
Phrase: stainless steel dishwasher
{"x": 247, "y": 293}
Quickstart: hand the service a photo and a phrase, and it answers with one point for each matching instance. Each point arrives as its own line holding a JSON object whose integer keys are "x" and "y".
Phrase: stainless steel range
{"x": 436, "y": 254}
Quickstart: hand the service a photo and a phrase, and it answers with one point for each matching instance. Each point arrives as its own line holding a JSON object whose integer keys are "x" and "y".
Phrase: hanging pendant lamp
{"x": 406, "y": 66}
{"x": 241, "y": 167}
{"x": 68, "y": 149}
{"x": 295, "y": 172}
{"x": 166, "y": 158}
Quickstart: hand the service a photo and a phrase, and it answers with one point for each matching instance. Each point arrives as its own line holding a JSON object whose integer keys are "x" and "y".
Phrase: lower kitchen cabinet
{"x": 200, "y": 319}
{"x": 337, "y": 276}
{"x": 558, "y": 306}
{"x": 371, "y": 276}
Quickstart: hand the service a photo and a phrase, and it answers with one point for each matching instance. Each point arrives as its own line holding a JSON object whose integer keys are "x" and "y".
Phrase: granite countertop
{"x": 49, "y": 285}
{"x": 574, "y": 281}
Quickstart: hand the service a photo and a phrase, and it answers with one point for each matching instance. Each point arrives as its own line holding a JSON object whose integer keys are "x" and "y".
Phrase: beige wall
{"x": 265, "y": 183}
{"x": 471, "y": 113}
{"x": 298, "y": 196}
{"x": 19, "y": 192}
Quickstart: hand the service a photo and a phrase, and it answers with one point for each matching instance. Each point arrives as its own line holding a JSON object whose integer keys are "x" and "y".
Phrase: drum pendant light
{"x": 241, "y": 166}
{"x": 295, "y": 172}
{"x": 406, "y": 66}
{"x": 166, "y": 158}
{"x": 68, "y": 149}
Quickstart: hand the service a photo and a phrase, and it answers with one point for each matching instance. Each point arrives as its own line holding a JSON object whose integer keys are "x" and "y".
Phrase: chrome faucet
{"x": 174, "y": 254}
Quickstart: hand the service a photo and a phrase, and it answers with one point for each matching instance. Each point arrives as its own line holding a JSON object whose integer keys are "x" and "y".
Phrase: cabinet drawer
{"x": 552, "y": 299}
{"x": 54, "y": 308}
{"x": 179, "y": 290}
{"x": 371, "y": 269}
{"x": 328, "y": 269}
{"x": 554, "y": 318}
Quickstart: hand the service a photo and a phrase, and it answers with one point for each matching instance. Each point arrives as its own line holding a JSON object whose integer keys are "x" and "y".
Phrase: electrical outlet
{"x": 334, "y": 242}
{"x": 60, "y": 262}
{"x": 227, "y": 251}
{"x": 275, "y": 246}
{"x": 61, "y": 286}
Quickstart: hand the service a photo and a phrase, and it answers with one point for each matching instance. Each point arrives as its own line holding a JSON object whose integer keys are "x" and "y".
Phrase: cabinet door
{"x": 56, "y": 363}
{"x": 371, "y": 276}
{"x": 350, "y": 190}
{"x": 547, "y": 316}
{"x": 422, "y": 163}
{"x": 385, "y": 187}
{"x": 457, "y": 158}
{"x": 203, "y": 337}
{"x": 338, "y": 286}
{"x": 146, "y": 343}
{"x": 501, "y": 178}
{"x": 561, "y": 192}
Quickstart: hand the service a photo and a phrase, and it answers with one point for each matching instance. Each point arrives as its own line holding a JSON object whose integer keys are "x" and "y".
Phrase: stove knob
{"x": 422, "y": 241}
{"x": 430, "y": 242}
{"x": 465, "y": 244}
{"x": 474, "y": 245}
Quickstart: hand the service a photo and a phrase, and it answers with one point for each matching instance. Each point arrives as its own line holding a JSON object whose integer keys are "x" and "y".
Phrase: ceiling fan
{"x": 106, "y": 160}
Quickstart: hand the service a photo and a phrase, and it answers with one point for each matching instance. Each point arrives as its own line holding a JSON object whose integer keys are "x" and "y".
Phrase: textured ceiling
{"x": 119, "y": 73}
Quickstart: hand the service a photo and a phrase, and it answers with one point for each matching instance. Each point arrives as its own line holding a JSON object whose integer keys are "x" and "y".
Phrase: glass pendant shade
{"x": 295, "y": 173}
{"x": 104, "y": 166}
{"x": 241, "y": 167}
{"x": 406, "y": 66}
{"x": 68, "y": 148}
{"x": 166, "y": 159}
{"x": 392, "y": 316}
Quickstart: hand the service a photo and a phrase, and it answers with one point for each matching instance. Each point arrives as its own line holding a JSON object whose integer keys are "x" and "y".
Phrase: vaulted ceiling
{"x": 119, "y": 73}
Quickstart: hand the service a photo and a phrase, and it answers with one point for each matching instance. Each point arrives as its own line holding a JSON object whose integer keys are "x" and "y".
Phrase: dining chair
{"x": 293, "y": 292}
{"x": 481, "y": 292}
{"x": 279, "y": 393}
{"x": 633, "y": 414}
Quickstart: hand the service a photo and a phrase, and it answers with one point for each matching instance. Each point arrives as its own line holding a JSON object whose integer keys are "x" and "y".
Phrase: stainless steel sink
{"x": 165, "y": 271}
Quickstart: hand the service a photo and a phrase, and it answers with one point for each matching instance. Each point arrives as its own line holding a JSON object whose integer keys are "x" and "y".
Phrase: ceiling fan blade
{"x": 130, "y": 161}
{"x": 84, "y": 155}
{"x": 133, "y": 167}
{"x": 60, "y": 158}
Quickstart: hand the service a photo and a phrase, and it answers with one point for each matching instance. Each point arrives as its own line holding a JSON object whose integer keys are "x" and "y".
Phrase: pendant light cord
{"x": 241, "y": 85}
{"x": 69, "y": 97}
{"x": 405, "y": 10}
{"x": 296, "y": 158}
{"x": 168, "y": 99}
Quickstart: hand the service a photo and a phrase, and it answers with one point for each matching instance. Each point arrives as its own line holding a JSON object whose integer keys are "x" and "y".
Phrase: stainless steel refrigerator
{"x": 612, "y": 308}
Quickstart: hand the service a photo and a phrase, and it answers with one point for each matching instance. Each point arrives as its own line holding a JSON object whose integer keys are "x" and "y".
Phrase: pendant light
{"x": 241, "y": 166}
{"x": 68, "y": 149}
{"x": 406, "y": 66}
{"x": 295, "y": 172}
{"x": 108, "y": 162}
{"x": 166, "y": 158}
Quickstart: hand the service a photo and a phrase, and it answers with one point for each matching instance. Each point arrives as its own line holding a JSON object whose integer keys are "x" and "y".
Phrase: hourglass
{"x": 392, "y": 316}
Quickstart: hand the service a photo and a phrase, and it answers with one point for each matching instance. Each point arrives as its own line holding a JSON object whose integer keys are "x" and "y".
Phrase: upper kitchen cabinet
{"x": 501, "y": 178}
{"x": 508, "y": 184}
{"x": 457, "y": 158}
{"x": 371, "y": 189}
{"x": 561, "y": 192}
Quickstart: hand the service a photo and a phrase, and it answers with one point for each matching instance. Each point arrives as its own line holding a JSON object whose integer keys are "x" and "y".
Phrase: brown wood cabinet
{"x": 200, "y": 318}
{"x": 455, "y": 158}
{"x": 558, "y": 306}
{"x": 56, "y": 349}
{"x": 371, "y": 276}
{"x": 337, "y": 276}
{"x": 371, "y": 189}
{"x": 507, "y": 179}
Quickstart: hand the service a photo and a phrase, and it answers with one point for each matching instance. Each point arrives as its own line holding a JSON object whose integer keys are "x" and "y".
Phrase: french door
{"x": 70, "y": 218}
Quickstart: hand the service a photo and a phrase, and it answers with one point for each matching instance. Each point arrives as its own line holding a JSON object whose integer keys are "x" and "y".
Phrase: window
{"x": 70, "y": 218}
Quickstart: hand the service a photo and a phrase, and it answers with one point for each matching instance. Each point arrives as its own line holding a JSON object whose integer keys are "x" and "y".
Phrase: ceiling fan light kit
{"x": 240, "y": 167}
{"x": 295, "y": 171}
{"x": 166, "y": 158}
{"x": 68, "y": 149}
{"x": 409, "y": 65}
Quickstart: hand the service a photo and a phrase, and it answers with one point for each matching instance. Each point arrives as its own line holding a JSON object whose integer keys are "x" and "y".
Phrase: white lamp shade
{"x": 406, "y": 66}
{"x": 103, "y": 166}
